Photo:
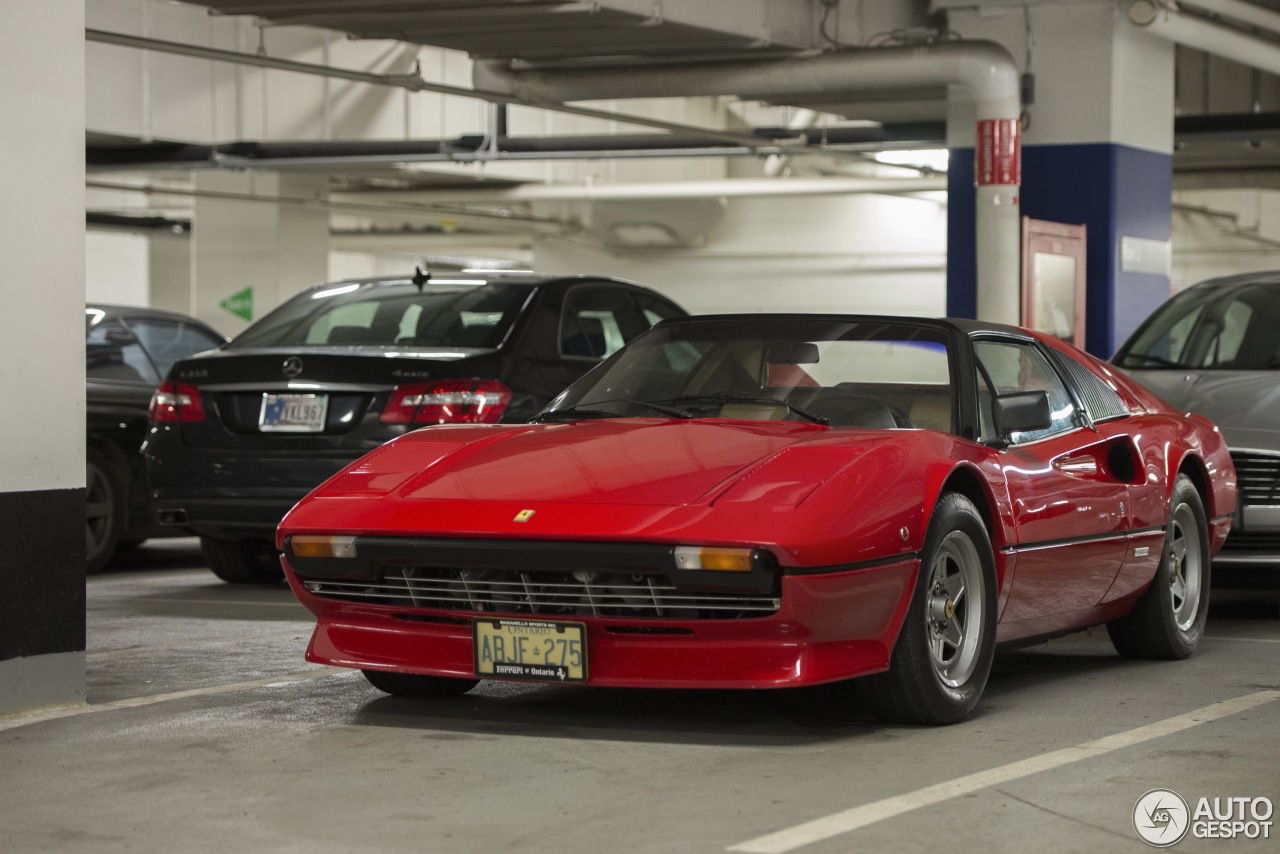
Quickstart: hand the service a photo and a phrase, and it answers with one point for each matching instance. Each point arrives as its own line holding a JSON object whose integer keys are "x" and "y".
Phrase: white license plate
{"x": 531, "y": 650}
{"x": 293, "y": 413}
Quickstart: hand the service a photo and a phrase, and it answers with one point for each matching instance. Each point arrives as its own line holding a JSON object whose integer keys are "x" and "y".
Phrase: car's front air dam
{"x": 831, "y": 626}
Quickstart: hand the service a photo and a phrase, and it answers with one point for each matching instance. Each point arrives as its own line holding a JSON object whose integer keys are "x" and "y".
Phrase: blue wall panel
{"x": 1114, "y": 190}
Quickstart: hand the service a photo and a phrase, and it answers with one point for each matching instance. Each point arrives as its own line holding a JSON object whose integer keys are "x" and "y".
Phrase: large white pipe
{"x": 1207, "y": 36}
{"x": 1239, "y": 10}
{"x": 984, "y": 71}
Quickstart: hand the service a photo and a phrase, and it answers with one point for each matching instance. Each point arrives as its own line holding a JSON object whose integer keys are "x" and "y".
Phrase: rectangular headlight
{"x": 316, "y": 545}
{"x": 713, "y": 559}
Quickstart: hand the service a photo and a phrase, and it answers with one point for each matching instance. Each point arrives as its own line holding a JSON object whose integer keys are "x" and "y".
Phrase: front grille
{"x": 1253, "y": 541}
{"x": 552, "y": 593}
{"x": 1258, "y": 477}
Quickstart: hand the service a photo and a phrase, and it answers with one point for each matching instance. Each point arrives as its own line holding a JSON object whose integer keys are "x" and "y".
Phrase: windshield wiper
{"x": 744, "y": 397}
{"x": 591, "y": 410}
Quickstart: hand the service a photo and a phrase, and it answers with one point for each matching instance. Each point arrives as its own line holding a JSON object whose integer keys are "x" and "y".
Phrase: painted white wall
{"x": 1223, "y": 232}
{"x": 117, "y": 268}
{"x": 865, "y": 253}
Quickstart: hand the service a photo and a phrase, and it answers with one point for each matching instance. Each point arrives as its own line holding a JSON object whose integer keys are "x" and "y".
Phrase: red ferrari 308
{"x": 766, "y": 501}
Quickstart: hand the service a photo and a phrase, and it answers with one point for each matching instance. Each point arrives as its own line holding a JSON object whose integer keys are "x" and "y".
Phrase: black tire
{"x": 250, "y": 560}
{"x": 105, "y": 505}
{"x": 413, "y": 685}
{"x": 940, "y": 664}
{"x": 1168, "y": 621}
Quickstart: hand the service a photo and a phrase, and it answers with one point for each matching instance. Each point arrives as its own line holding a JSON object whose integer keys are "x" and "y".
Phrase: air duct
{"x": 982, "y": 71}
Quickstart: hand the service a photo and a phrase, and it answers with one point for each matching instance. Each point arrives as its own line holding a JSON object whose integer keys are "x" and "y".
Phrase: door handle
{"x": 1077, "y": 465}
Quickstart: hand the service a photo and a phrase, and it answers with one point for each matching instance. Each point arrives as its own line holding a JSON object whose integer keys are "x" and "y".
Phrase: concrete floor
{"x": 206, "y": 731}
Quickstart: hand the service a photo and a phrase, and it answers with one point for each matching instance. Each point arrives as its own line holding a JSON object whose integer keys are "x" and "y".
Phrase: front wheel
{"x": 941, "y": 662}
{"x": 1167, "y": 622}
{"x": 414, "y": 685}
{"x": 251, "y": 560}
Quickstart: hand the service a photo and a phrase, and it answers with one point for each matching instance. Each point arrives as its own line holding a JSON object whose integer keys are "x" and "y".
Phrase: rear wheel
{"x": 413, "y": 685}
{"x": 1167, "y": 622}
{"x": 249, "y": 560}
{"x": 940, "y": 664}
{"x": 104, "y": 500}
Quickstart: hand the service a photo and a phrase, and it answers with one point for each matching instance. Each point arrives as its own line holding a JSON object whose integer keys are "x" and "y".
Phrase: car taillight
{"x": 176, "y": 402}
{"x": 447, "y": 402}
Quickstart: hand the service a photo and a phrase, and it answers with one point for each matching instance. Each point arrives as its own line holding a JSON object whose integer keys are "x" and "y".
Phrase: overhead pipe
{"x": 462, "y": 149}
{"x": 727, "y": 188}
{"x": 984, "y": 69}
{"x": 1227, "y": 42}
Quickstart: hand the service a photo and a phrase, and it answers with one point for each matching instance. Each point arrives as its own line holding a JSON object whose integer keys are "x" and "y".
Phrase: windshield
{"x": 874, "y": 373}
{"x": 372, "y": 315}
{"x": 1225, "y": 328}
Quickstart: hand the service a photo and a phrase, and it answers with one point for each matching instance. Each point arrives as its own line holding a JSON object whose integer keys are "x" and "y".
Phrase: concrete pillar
{"x": 1097, "y": 150}
{"x": 169, "y": 267}
{"x": 262, "y": 232}
{"x": 42, "y": 636}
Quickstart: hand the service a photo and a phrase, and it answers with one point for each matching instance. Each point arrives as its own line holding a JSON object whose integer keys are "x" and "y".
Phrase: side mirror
{"x": 792, "y": 353}
{"x": 1021, "y": 412}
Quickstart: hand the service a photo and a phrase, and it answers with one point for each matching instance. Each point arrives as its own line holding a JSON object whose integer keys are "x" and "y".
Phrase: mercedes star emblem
{"x": 292, "y": 367}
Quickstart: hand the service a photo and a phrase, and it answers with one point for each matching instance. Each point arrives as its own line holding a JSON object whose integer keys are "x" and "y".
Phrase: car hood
{"x": 1244, "y": 404}
{"x": 632, "y": 461}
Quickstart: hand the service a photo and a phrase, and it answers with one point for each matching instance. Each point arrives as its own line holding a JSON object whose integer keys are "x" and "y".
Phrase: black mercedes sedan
{"x": 239, "y": 435}
{"x": 127, "y": 353}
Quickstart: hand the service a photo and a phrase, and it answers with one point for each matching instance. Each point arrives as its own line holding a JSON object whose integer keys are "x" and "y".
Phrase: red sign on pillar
{"x": 999, "y": 153}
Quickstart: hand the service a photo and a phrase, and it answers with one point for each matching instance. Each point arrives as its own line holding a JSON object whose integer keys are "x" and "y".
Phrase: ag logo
{"x": 1161, "y": 817}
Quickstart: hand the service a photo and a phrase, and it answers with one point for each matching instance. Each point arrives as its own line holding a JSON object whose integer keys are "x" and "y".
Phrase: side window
{"x": 113, "y": 353}
{"x": 1224, "y": 347}
{"x": 345, "y": 324}
{"x": 655, "y": 309}
{"x": 1010, "y": 366}
{"x": 592, "y": 323}
{"x": 168, "y": 341}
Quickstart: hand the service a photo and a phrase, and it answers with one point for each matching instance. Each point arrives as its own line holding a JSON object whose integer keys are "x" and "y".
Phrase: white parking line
{"x": 135, "y": 702}
{"x": 283, "y": 603}
{"x": 867, "y": 814}
{"x": 101, "y": 654}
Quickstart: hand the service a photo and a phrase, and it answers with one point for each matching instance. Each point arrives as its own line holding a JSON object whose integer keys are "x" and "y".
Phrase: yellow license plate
{"x": 531, "y": 649}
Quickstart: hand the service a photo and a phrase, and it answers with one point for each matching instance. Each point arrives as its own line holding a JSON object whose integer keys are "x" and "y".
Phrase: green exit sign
{"x": 241, "y": 304}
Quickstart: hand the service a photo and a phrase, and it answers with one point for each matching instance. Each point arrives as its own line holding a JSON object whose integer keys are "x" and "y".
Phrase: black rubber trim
{"x": 875, "y": 563}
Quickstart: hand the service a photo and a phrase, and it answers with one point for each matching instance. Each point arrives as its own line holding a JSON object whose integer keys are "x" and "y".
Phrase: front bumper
{"x": 828, "y": 627}
{"x": 1254, "y": 540}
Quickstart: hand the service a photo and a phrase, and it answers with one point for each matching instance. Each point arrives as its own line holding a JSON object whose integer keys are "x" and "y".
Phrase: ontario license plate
{"x": 531, "y": 650}
{"x": 293, "y": 413}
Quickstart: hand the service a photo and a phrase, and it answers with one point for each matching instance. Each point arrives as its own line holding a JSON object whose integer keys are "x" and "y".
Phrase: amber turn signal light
{"x": 310, "y": 545}
{"x": 713, "y": 559}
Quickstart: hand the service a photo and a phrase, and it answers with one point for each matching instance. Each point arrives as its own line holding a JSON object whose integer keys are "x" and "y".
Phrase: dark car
{"x": 127, "y": 353}
{"x": 1215, "y": 349}
{"x": 240, "y": 435}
